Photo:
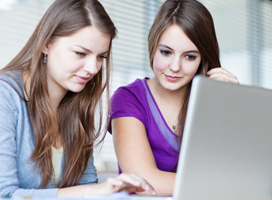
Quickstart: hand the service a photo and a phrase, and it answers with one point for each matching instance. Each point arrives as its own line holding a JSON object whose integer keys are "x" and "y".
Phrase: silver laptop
{"x": 226, "y": 150}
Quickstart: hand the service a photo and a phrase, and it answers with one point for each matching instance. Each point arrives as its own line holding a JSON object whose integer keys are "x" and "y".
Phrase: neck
{"x": 55, "y": 96}
{"x": 172, "y": 97}
{"x": 26, "y": 83}
{"x": 169, "y": 102}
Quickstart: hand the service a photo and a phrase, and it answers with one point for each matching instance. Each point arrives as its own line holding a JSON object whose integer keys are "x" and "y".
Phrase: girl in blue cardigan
{"x": 50, "y": 108}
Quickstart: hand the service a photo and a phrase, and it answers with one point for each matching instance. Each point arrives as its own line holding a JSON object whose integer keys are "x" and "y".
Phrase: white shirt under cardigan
{"x": 18, "y": 177}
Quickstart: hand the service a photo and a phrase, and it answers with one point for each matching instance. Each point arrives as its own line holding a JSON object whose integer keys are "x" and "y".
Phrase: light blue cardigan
{"x": 18, "y": 176}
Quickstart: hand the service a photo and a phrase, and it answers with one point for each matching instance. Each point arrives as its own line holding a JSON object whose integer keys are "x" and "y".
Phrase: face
{"x": 176, "y": 59}
{"x": 74, "y": 60}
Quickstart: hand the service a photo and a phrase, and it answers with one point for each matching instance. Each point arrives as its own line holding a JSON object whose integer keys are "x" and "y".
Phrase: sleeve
{"x": 37, "y": 193}
{"x": 127, "y": 103}
{"x": 9, "y": 182}
{"x": 90, "y": 175}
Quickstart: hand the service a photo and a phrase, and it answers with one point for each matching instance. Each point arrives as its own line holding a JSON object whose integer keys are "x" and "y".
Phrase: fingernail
{"x": 137, "y": 183}
{"x": 147, "y": 187}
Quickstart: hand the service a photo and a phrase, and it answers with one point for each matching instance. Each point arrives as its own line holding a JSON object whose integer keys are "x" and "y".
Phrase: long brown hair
{"x": 197, "y": 23}
{"x": 75, "y": 123}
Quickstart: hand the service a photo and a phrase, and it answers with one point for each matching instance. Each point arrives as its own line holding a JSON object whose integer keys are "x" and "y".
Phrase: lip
{"x": 172, "y": 78}
{"x": 82, "y": 79}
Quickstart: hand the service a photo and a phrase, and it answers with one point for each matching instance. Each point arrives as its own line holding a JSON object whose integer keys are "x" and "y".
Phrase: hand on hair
{"x": 128, "y": 182}
{"x": 222, "y": 74}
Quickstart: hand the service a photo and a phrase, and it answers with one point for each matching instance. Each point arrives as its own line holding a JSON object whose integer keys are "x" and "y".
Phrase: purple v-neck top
{"x": 136, "y": 100}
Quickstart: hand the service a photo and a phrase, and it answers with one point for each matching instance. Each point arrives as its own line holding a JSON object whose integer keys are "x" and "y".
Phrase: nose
{"x": 175, "y": 66}
{"x": 92, "y": 65}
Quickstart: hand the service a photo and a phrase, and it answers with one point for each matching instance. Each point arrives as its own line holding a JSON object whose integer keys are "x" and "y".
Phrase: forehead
{"x": 89, "y": 37}
{"x": 175, "y": 38}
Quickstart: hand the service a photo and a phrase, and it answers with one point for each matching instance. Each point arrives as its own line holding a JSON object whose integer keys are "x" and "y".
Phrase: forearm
{"x": 124, "y": 182}
{"x": 135, "y": 155}
{"x": 80, "y": 191}
{"x": 37, "y": 193}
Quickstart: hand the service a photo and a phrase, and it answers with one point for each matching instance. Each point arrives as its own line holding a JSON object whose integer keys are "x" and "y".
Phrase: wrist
{"x": 96, "y": 189}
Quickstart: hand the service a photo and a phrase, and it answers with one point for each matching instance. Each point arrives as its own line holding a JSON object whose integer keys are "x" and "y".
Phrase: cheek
{"x": 191, "y": 68}
{"x": 53, "y": 65}
{"x": 63, "y": 63}
{"x": 160, "y": 63}
{"x": 54, "y": 57}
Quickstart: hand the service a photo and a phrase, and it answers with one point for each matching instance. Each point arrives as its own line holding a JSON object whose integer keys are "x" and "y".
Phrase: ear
{"x": 46, "y": 48}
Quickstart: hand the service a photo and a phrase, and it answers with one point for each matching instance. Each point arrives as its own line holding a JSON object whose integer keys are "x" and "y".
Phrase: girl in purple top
{"x": 147, "y": 116}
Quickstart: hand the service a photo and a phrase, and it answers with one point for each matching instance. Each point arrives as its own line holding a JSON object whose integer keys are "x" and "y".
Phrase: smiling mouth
{"x": 172, "y": 78}
{"x": 82, "y": 79}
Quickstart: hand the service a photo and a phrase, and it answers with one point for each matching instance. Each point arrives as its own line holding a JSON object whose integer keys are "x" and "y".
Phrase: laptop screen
{"x": 226, "y": 150}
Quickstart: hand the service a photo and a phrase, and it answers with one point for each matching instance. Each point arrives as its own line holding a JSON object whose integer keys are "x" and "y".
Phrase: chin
{"x": 75, "y": 87}
{"x": 76, "y": 90}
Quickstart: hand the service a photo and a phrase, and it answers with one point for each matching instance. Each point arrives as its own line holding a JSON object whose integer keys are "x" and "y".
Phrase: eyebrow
{"x": 88, "y": 50}
{"x": 190, "y": 51}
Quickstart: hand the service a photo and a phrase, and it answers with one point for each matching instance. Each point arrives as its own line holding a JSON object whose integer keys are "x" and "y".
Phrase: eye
{"x": 102, "y": 57}
{"x": 80, "y": 53}
{"x": 190, "y": 57}
{"x": 165, "y": 52}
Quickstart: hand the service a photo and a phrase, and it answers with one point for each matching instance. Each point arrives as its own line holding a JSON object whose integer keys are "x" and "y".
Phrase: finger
{"x": 145, "y": 184}
{"x": 224, "y": 77}
{"x": 118, "y": 185}
{"x": 115, "y": 181}
{"x": 125, "y": 182}
{"x": 137, "y": 183}
{"x": 128, "y": 178}
{"x": 219, "y": 70}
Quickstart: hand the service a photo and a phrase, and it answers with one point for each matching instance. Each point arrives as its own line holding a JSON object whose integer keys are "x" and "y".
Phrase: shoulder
{"x": 11, "y": 82}
{"x": 130, "y": 96}
{"x": 11, "y": 93}
{"x": 130, "y": 101}
{"x": 135, "y": 89}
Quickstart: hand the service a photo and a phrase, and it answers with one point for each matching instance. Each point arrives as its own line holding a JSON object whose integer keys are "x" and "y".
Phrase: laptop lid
{"x": 226, "y": 150}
